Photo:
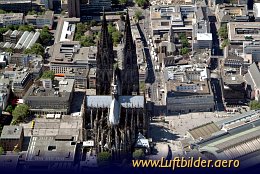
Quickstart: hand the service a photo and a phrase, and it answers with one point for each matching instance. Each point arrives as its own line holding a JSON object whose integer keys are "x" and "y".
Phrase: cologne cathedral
{"x": 117, "y": 113}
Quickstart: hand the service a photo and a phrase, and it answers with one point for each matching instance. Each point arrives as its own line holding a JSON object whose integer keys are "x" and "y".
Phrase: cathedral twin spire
{"x": 105, "y": 60}
{"x": 129, "y": 76}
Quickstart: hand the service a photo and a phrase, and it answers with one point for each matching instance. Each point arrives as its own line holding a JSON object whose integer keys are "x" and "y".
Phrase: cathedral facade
{"x": 117, "y": 113}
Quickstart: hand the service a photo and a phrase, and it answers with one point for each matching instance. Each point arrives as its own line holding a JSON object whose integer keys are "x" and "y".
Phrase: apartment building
{"x": 39, "y": 21}
{"x": 11, "y": 19}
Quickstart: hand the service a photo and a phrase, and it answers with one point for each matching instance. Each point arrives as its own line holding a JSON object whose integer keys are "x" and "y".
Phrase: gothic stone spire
{"x": 105, "y": 60}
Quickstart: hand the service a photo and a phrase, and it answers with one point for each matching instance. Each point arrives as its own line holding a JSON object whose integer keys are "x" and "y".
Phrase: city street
{"x": 216, "y": 54}
{"x": 154, "y": 80}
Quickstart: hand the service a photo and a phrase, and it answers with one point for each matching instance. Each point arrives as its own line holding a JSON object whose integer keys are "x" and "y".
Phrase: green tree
{"x": 20, "y": 112}
{"x": 87, "y": 41}
{"x": 3, "y": 30}
{"x": 222, "y": 32}
{"x": 142, "y": 86}
{"x": 116, "y": 36}
{"x": 1, "y": 150}
{"x": 183, "y": 39}
{"x": 2, "y": 11}
{"x": 63, "y": 12}
{"x": 254, "y": 104}
{"x": 93, "y": 23}
{"x": 141, "y": 3}
{"x": 35, "y": 49}
{"x": 122, "y": 2}
{"x": 138, "y": 15}
{"x": 9, "y": 50}
{"x": 185, "y": 42}
{"x": 224, "y": 43}
{"x": 138, "y": 154}
{"x": 45, "y": 35}
{"x": 81, "y": 28}
{"x": 9, "y": 109}
{"x": 48, "y": 75}
{"x": 111, "y": 28}
{"x": 13, "y": 27}
{"x": 26, "y": 28}
{"x": 103, "y": 158}
{"x": 14, "y": 122}
{"x": 184, "y": 51}
{"x": 33, "y": 12}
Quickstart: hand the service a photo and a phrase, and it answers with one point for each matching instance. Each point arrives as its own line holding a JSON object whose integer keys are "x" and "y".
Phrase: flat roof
{"x": 50, "y": 148}
{"x": 11, "y": 16}
{"x": 176, "y": 88}
{"x": 233, "y": 79}
{"x": 46, "y": 15}
{"x": 256, "y": 9}
{"x": 70, "y": 52}
{"x": 9, "y": 162}
{"x": 11, "y": 132}
{"x": 59, "y": 34}
{"x": 235, "y": 27}
{"x": 62, "y": 94}
{"x": 204, "y": 36}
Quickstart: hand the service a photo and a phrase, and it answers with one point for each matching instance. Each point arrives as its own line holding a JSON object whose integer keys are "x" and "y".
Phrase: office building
{"x": 21, "y": 83}
{"x": 12, "y": 137}
{"x": 188, "y": 89}
{"x": 74, "y": 8}
{"x": 39, "y": 21}
{"x": 19, "y": 6}
{"x": 50, "y": 97}
{"x": 11, "y": 19}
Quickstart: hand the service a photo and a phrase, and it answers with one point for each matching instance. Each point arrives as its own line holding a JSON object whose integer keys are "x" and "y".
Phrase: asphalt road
{"x": 215, "y": 84}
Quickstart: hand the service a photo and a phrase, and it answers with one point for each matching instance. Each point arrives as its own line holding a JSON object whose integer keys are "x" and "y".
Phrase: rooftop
{"x": 11, "y": 16}
{"x": 70, "y": 52}
{"x": 9, "y": 162}
{"x": 252, "y": 77}
{"x": 27, "y": 40}
{"x": 204, "y": 131}
{"x": 256, "y": 9}
{"x": 11, "y": 132}
{"x": 239, "y": 118}
{"x": 52, "y": 148}
{"x": 60, "y": 91}
{"x": 46, "y": 15}
{"x": 204, "y": 36}
{"x": 176, "y": 88}
{"x": 125, "y": 101}
{"x": 20, "y": 76}
{"x": 240, "y": 140}
{"x": 66, "y": 29}
{"x": 243, "y": 31}
{"x": 230, "y": 79}
{"x": 14, "y": 1}
{"x": 184, "y": 72}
